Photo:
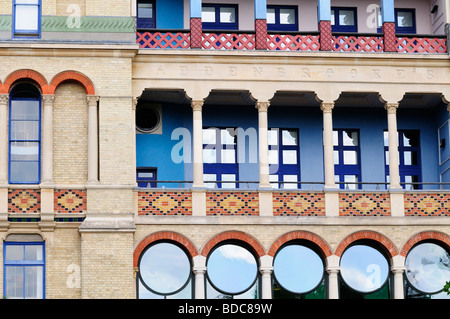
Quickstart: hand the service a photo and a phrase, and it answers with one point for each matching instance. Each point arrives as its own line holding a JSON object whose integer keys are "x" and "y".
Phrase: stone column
{"x": 333, "y": 280}
{"x": 47, "y": 140}
{"x": 199, "y": 270}
{"x": 263, "y": 144}
{"x": 394, "y": 171}
{"x": 388, "y": 19}
{"x": 398, "y": 268}
{"x": 92, "y": 102}
{"x": 266, "y": 269}
{"x": 324, "y": 15}
{"x": 328, "y": 151}
{"x": 4, "y": 101}
{"x": 198, "y": 187}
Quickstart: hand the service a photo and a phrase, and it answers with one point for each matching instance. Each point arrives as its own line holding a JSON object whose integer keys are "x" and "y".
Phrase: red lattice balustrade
{"x": 229, "y": 41}
{"x": 287, "y": 42}
{"x": 357, "y": 43}
{"x": 163, "y": 40}
{"x": 421, "y": 45}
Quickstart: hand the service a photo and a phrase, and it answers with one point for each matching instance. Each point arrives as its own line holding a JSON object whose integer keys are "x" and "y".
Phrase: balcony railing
{"x": 295, "y": 41}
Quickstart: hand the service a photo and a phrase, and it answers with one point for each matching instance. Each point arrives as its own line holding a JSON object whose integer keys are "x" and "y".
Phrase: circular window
{"x": 164, "y": 268}
{"x": 231, "y": 269}
{"x": 364, "y": 269}
{"x": 428, "y": 267}
{"x": 147, "y": 118}
{"x": 298, "y": 268}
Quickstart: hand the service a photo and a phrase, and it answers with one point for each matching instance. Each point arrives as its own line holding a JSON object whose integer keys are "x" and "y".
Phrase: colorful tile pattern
{"x": 298, "y": 204}
{"x": 164, "y": 203}
{"x": 24, "y": 201}
{"x": 70, "y": 201}
{"x": 427, "y": 204}
{"x": 356, "y": 204}
{"x": 232, "y": 203}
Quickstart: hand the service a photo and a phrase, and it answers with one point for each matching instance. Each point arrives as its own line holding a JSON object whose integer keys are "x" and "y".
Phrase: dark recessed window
{"x": 147, "y": 118}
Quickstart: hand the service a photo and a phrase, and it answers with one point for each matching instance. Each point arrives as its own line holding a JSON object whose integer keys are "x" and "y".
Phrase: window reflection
{"x": 231, "y": 271}
{"x": 164, "y": 269}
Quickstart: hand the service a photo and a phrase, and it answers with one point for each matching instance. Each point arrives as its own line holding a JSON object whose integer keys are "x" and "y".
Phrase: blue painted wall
{"x": 169, "y": 14}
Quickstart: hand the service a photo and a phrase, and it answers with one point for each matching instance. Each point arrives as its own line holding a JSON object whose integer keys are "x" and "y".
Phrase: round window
{"x": 298, "y": 268}
{"x": 364, "y": 269}
{"x": 428, "y": 267}
{"x": 164, "y": 268}
{"x": 147, "y": 118}
{"x": 231, "y": 269}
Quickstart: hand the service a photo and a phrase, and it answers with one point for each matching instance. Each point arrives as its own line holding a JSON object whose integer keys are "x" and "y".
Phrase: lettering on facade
{"x": 305, "y": 73}
{"x": 233, "y": 70}
{"x": 183, "y": 70}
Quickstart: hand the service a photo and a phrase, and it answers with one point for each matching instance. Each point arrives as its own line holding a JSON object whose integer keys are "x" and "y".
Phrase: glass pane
{"x": 335, "y": 138}
{"x": 272, "y": 137}
{"x": 25, "y": 130}
{"x": 27, "y": 18}
{"x": 33, "y": 252}
{"x": 289, "y": 157}
{"x": 24, "y": 151}
{"x": 145, "y": 10}
{"x": 14, "y": 252}
{"x": 290, "y": 178}
{"x": 287, "y": 16}
{"x": 350, "y": 138}
{"x": 208, "y": 14}
{"x": 428, "y": 267}
{"x": 27, "y": 1}
{"x": 411, "y": 138}
{"x": 350, "y": 157}
{"x": 227, "y": 15}
{"x": 232, "y": 268}
{"x": 228, "y": 156}
{"x": 228, "y": 136}
{"x": 349, "y": 179}
{"x": 24, "y": 172}
{"x": 386, "y": 138}
{"x": 273, "y": 178}
{"x": 364, "y": 268}
{"x": 14, "y": 282}
{"x": 346, "y": 17}
{"x": 298, "y": 268}
{"x": 212, "y": 178}
{"x": 333, "y": 21}
{"x": 209, "y": 136}
{"x": 336, "y": 157}
{"x": 273, "y": 156}
{"x": 165, "y": 268}
{"x": 228, "y": 178}
{"x": 289, "y": 137}
{"x": 24, "y": 110}
{"x": 146, "y": 175}
{"x": 271, "y": 15}
{"x": 34, "y": 282}
{"x": 410, "y": 158}
{"x": 209, "y": 156}
{"x": 405, "y": 19}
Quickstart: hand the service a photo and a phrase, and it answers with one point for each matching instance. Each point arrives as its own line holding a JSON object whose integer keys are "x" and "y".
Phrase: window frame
{"x": 149, "y": 182}
{"x": 341, "y": 169}
{"x": 18, "y": 33}
{"x": 408, "y": 30}
{"x": 146, "y": 23}
{"x": 23, "y": 263}
{"x": 336, "y": 27}
{"x": 38, "y": 141}
{"x": 277, "y": 26}
{"x": 218, "y": 25}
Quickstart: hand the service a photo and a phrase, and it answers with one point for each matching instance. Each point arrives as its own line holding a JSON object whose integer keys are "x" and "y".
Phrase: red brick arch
{"x": 25, "y": 74}
{"x": 427, "y": 235}
{"x": 233, "y": 235}
{"x": 163, "y": 235}
{"x": 72, "y": 76}
{"x": 302, "y": 235}
{"x": 385, "y": 242}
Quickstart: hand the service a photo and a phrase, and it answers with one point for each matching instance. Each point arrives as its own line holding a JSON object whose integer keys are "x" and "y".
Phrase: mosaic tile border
{"x": 232, "y": 203}
{"x": 357, "y": 204}
{"x": 298, "y": 204}
{"x": 427, "y": 204}
{"x": 164, "y": 203}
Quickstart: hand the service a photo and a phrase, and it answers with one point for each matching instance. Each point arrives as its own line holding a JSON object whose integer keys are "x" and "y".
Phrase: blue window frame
{"x": 146, "y": 14}
{"x": 347, "y": 158}
{"x": 24, "y": 270}
{"x": 344, "y": 19}
{"x": 284, "y": 158}
{"x": 24, "y": 134}
{"x": 220, "y": 17}
{"x": 282, "y": 18}
{"x": 146, "y": 177}
{"x": 26, "y": 18}
{"x": 220, "y": 157}
{"x": 409, "y": 158}
{"x": 405, "y": 21}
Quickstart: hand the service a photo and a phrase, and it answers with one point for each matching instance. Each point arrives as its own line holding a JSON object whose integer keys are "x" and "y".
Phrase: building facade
{"x": 224, "y": 149}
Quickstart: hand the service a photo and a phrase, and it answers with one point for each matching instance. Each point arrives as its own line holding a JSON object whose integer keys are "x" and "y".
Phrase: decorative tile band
{"x": 24, "y": 201}
{"x": 164, "y": 203}
{"x": 356, "y": 204}
{"x": 232, "y": 203}
{"x": 427, "y": 204}
{"x": 298, "y": 204}
{"x": 70, "y": 201}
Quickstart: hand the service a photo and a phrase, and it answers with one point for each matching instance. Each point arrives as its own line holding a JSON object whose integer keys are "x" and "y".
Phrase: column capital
{"x": 391, "y": 108}
{"x": 92, "y": 100}
{"x": 398, "y": 270}
{"x": 262, "y": 106}
{"x": 197, "y": 105}
{"x": 4, "y": 98}
{"x": 327, "y": 107}
{"x": 48, "y": 99}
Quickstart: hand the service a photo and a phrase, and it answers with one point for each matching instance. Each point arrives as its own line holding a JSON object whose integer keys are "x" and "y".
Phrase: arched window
{"x": 364, "y": 272}
{"x": 427, "y": 270}
{"x": 299, "y": 272}
{"x": 24, "y": 134}
{"x": 165, "y": 271}
{"x": 232, "y": 272}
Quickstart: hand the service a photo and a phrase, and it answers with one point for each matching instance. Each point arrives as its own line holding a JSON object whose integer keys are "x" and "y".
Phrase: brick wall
{"x": 427, "y": 204}
{"x": 363, "y": 204}
{"x": 298, "y": 204}
{"x": 232, "y": 203}
{"x": 164, "y": 203}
